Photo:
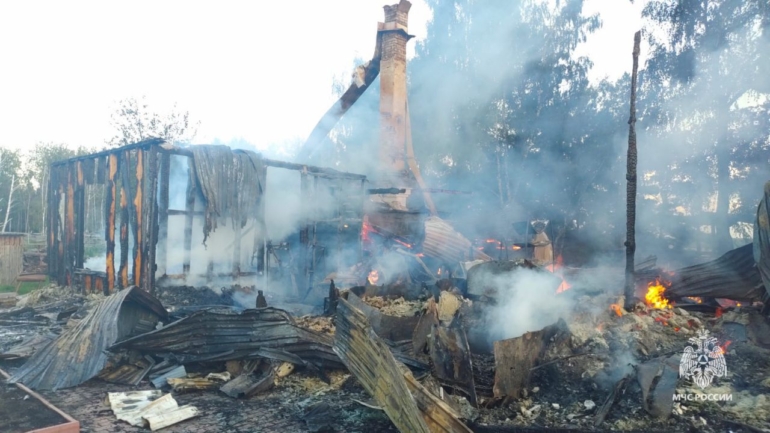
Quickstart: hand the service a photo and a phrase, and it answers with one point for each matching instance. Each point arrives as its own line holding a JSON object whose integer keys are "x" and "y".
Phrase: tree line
{"x": 24, "y": 173}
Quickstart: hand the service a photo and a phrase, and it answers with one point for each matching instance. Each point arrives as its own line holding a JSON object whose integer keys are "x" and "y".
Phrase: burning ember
{"x": 654, "y": 297}
{"x": 373, "y": 277}
{"x": 616, "y": 308}
{"x": 695, "y": 299}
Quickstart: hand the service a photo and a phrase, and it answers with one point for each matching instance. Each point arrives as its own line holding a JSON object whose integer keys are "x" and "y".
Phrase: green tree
{"x": 705, "y": 88}
{"x": 134, "y": 121}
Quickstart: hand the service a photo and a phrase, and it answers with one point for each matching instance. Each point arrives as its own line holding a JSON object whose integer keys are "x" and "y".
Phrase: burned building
{"x": 197, "y": 215}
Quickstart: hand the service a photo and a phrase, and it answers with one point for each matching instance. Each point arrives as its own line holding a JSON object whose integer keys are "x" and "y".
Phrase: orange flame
{"x": 723, "y": 347}
{"x": 616, "y": 308}
{"x": 564, "y": 286}
{"x": 373, "y": 277}
{"x": 654, "y": 297}
{"x": 695, "y": 299}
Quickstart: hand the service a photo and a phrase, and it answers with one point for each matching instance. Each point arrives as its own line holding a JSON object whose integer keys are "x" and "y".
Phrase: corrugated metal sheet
{"x": 442, "y": 241}
{"x": 79, "y": 353}
{"x": 732, "y": 276}
{"x": 223, "y": 334}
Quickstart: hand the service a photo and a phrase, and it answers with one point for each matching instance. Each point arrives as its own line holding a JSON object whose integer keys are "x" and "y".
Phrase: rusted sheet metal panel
{"x": 734, "y": 276}
{"x": 224, "y": 334}
{"x": 371, "y": 361}
{"x": 111, "y": 193}
{"x": 138, "y": 217}
{"x": 442, "y": 241}
{"x": 80, "y": 352}
{"x": 125, "y": 216}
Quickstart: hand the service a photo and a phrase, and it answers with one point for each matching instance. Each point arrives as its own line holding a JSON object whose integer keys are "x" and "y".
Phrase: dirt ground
{"x": 21, "y": 413}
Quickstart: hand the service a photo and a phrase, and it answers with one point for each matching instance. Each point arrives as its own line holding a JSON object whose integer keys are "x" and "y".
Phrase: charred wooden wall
{"x": 136, "y": 181}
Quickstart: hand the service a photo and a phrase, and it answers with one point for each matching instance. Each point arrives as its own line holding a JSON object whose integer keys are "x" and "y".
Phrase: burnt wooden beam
{"x": 630, "y": 243}
{"x": 80, "y": 214}
{"x": 110, "y": 201}
{"x": 138, "y": 145}
{"x": 364, "y": 75}
{"x": 69, "y": 224}
{"x": 304, "y": 231}
{"x": 189, "y": 210}
{"x": 163, "y": 211}
{"x": 150, "y": 220}
{"x": 138, "y": 218}
{"x": 316, "y": 171}
{"x": 125, "y": 216}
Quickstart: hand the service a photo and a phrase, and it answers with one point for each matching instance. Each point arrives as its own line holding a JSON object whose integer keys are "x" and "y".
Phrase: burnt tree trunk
{"x": 631, "y": 185}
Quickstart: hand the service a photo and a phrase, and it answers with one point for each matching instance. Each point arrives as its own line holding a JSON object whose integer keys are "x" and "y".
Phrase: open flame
{"x": 723, "y": 347}
{"x": 373, "y": 277}
{"x": 617, "y": 309}
{"x": 654, "y": 297}
{"x": 553, "y": 268}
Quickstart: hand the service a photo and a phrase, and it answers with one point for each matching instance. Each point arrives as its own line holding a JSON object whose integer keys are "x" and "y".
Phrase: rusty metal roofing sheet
{"x": 226, "y": 333}
{"x": 79, "y": 352}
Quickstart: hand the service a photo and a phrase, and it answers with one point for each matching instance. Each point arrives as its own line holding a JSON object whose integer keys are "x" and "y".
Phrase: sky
{"x": 258, "y": 71}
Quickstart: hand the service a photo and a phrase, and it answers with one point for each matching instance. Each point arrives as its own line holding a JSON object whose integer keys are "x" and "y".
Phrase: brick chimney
{"x": 394, "y": 172}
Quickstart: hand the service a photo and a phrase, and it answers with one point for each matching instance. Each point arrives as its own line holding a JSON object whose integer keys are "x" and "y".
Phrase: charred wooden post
{"x": 165, "y": 173}
{"x": 80, "y": 216}
{"x": 138, "y": 218}
{"x": 631, "y": 186}
{"x": 111, "y": 210}
{"x": 69, "y": 224}
{"x": 151, "y": 220}
{"x": 304, "y": 231}
{"x": 55, "y": 251}
{"x": 125, "y": 216}
{"x": 188, "y": 222}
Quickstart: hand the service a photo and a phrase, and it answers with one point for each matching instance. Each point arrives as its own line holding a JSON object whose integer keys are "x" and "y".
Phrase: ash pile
{"x": 511, "y": 346}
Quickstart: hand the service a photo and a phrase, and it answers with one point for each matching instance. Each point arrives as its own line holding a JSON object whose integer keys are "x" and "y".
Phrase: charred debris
{"x": 440, "y": 338}
{"x": 371, "y": 292}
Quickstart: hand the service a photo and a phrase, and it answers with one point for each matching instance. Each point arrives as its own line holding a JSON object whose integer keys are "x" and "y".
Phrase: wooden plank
{"x": 125, "y": 216}
{"x": 111, "y": 212}
{"x": 69, "y": 225}
{"x": 188, "y": 222}
{"x": 163, "y": 212}
{"x": 151, "y": 220}
{"x": 138, "y": 218}
{"x": 80, "y": 215}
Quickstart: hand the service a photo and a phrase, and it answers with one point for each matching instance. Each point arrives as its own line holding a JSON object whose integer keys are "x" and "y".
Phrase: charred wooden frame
{"x": 136, "y": 180}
